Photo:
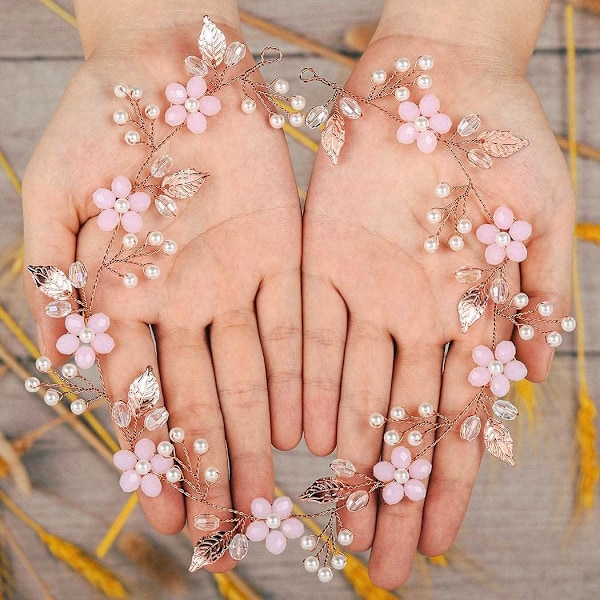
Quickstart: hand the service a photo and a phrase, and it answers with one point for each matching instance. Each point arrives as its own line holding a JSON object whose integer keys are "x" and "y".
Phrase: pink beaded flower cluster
{"x": 423, "y": 122}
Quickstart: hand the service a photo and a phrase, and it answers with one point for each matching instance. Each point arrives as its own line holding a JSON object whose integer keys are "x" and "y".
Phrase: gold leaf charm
{"x": 333, "y": 137}
{"x": 501, "y": 144}
{"x": 211, "y": 42}
{"x": 325, "y": 490}
{"x": 183, "y": 183}
{"x": 209, "y": 549}
{"x": 52, "y": 282}
{"x": 143, "y": 393}
{"x": 498, "y": 441}
{"x": 471, "y": 306}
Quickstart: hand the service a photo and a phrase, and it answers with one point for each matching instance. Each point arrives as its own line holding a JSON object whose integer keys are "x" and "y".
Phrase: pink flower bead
{"x": 392, "y": 493}
{"x": 129, "y": 206}
{"x": 190, "y": 105}
{"x": 504, "y": 238}
{"x": 496, "y": 368}
{"x": 273, "y": 523}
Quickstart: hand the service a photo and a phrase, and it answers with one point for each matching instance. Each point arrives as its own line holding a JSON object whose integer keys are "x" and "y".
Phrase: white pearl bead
{"x": 401, "y": 475}
{"x": 78, "y": 407}
{"x": 521, "y": 300}
{"x": 152, "y": 111}
{"x": 431, "y": 244}
{"x": 554, "y": 339}
{"x": 426, "y": 410}
{"x": 52, "y": 397}
{"x": 273, "y": 521}
{"x": 132, "y": 137}
{"x": 378, "y": 77}
{"x": 464, "y": 225}
{"x": 69, "y": 371}
{"x": 86, "y": 336}
{"x": 200, "y": 446}
{"x": 129, "y": 241}
{"x": 248, "y": 105}
{"x": 545, "y": 309}
{"x": 376, "y": 420}
{"x": 212, "y": 475}
{"x": 130, "y": 280}
{"x": 502, "y": 239}
{"x": 155, "y": 238}
{"x": 121, "y": 90}
{"x": 298, "y": 102}
{"x": 142, "y": 467}
{"x": 165, "y": 448}
{"x": 136, "y": 93}
{"x": 121, "y": 205}
{"x": 276, "y": 121}
{"x": 296, "y": 119}
{"x": 526, "y": 332}
{"x": 421, "y": 123}
{"x": 345, "y": 537}
{"x": 43, "y": 364}
{"x": 398, "y": 413}
{"x": 402, "y": 93}
{"x": 424, "y": 82}
{"x": 169, "y": 247}
{"x": 402, "y": 65}
{"x": 568, "y": 324}
{"x": 173, "y": 475}
{"x": 442, "y": 190}
{"x": 151, "y": 271}
{"x": 391, "y": 437}
{"x": 311, "y": 564}
{"x": 425, "y": 62}
{"x": 338, "y": 561}
{"x": 308, "y": 542}
{"x": 32, "y": 384}
{"x": 177, "y": 435}
{"x": 414, "y": 438}
{"x": 281, "y": 86}
{"x": 434, "y": 216}
{"x": 456, "y": 242}
{"x": 120, "y": 117}
{"x": 495, "y": 367}
{"x": 191, "y": 105}
{"x": 325, "y": 574}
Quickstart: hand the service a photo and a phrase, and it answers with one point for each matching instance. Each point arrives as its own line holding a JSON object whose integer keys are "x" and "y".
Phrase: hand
{"x": 225, "y": 312}
{"x": 379, "y": 310}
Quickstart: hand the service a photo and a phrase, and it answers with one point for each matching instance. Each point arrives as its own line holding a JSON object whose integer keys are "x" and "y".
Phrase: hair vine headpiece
{"x": 148, "y": 466}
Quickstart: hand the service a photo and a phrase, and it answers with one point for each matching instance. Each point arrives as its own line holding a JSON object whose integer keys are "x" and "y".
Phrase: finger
{"x": 279, "y": 315}
{"x": 366, "y": 384}
{"x": 324, "y": 316}
{"x": 416, "y": 380}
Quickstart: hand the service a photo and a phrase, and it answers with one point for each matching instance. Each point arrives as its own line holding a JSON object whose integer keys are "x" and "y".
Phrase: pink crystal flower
{"x": 422, "y": 123}
{"x": 505, "y": 237}
{"x": 142, "y": 467}
{"x": 189, "y": 104}
{"x": 85, "y": 339}
{"x": 402, "y": 476}
{"x": 119, "y": 205}
{"x": 497, "y": 369}
{"x": 273, "y": 523}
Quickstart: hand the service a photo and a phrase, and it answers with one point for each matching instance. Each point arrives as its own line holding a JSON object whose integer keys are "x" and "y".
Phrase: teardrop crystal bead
{"x": 343, "y": 468}
{"x": 120, "y": 414}
{"x": 357, "y": 500}
{"x": 468, "y": 126}
{"x": 238, "y": 547}
{"x": 206, "y": 522}
{"x": 479, "y": 158}
{"x": 161, "y": 165}
{"x": 468, "y": 274}
{"x": 234, "y": 53}
{"x": 504, "y": 409}
{"x": 316, "y": 117}
{"x": 156, "y": 418}
{"x": 470, "y": 428}
{"x": 166, "y": 206}
{"x": 58, "y": 309}
{"x": 499, "y": 290}
{"x": 78, "y": 274}
{"x": 196, "y": 66}
{"x": 350, "y": 108}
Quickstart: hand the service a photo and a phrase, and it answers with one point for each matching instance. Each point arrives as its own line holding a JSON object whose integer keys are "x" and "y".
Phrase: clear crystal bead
{"x": 234, "y": 53}
{"x": 196, "y": 66}
{"x": 499, "y": 290}
{"x": 120, "y": 414}
{"x": 78, "y": 274}
{"x": 470, "y": 428}
{"x": 505, "y": 410}
{"x": 479, "y": 158}
{"x": 316, "y": 117}
{"x": 206, "y": 522}
{"x": 58, "y": 309}
{"x": 161, "y": 166}
{"x": 350, "y": 108}
{"x": 468, "y": 274}
{"x": 238, "y": 547}
{"x": 357, "y": 500}
{"x": 343, "y": 468}
{"x": 156, "y": 418}
{"x": 166, "y": 206}
{"x": 468, "y": 126}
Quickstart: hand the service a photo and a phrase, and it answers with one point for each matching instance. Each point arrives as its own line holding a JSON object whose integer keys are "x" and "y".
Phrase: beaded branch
{"x": 147, "y": 466}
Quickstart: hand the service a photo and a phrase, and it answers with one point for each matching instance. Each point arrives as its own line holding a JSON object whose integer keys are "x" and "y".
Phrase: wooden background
{"x": 519, "y": 539}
